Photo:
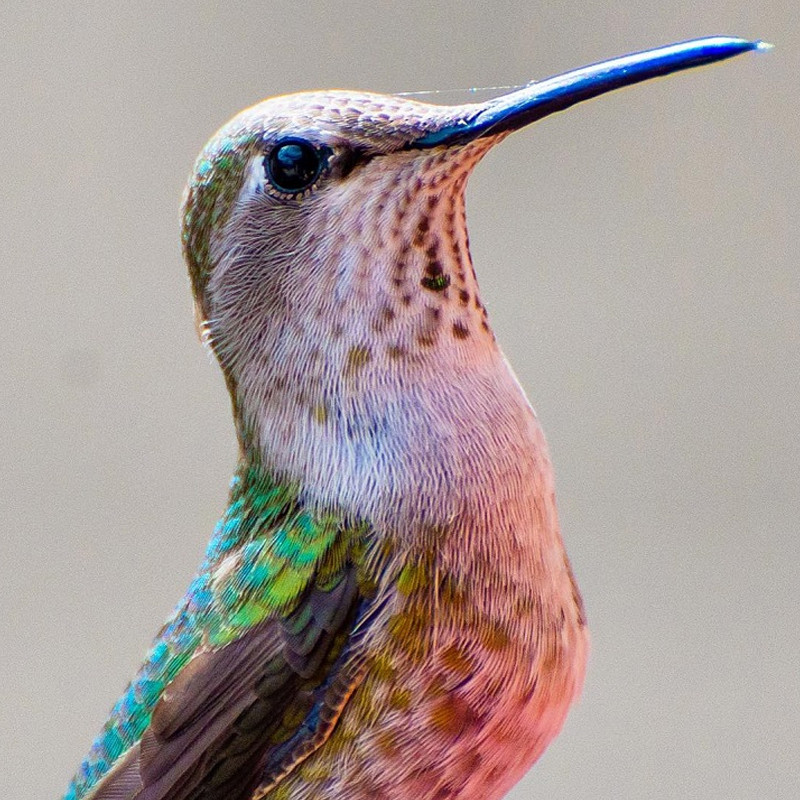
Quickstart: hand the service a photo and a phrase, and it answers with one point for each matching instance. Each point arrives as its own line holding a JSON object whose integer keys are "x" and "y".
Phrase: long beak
{"x": 539, "y": 99}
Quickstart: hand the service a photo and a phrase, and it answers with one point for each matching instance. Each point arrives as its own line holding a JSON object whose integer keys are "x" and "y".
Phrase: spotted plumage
{"x": 385, "y": 610}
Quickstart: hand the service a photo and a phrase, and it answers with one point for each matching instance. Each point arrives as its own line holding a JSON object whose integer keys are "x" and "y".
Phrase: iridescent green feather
{"x": 209, "y": 199}
{"x": 267, "y": 550}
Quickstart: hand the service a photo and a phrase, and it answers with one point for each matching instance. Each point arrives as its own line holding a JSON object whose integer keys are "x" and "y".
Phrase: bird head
{"x": 325, "y": 231}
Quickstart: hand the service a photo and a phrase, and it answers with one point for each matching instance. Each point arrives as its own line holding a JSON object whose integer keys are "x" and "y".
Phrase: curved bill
{"x": 539, "y": 99}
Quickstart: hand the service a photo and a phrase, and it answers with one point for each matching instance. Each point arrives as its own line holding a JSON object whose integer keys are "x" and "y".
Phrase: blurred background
{"x": 639, "y": 259}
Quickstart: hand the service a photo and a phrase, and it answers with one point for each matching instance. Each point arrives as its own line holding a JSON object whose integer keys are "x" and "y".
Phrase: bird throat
{"x": 376, "y": 337}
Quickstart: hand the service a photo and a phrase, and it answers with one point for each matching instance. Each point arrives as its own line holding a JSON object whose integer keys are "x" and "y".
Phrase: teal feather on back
{"x": 266, "y": 553}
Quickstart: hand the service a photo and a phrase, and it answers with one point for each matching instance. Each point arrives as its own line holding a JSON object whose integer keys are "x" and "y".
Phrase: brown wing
{"x": 242, "y": 716}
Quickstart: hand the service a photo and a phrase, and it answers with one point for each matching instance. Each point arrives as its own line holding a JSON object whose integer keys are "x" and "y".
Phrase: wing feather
{"x": 252, "y": 672}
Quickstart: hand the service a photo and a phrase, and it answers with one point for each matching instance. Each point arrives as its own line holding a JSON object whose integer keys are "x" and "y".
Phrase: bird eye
{"x": 293, "y": 165}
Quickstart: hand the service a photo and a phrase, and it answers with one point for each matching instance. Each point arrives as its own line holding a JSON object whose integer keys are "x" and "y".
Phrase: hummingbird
{"x": 385, "y": 609}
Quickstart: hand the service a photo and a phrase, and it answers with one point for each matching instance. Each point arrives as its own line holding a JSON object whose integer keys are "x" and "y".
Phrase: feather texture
{"x": 250, "y": 671}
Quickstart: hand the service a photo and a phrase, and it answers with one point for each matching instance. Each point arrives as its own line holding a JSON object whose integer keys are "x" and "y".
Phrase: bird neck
{"x": 411, "y": 443}
{"x": 360, "y": 359}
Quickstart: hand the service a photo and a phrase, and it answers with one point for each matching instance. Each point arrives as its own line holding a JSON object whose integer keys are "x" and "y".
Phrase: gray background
{"x": 639, "y": 258}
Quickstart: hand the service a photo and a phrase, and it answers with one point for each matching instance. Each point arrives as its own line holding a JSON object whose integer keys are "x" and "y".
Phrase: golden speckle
{"x": 381, "y": 667}
{"x": 456, "y": 660}
{"x": 387, "y": 742}
{"x": 400, "y": 625}
{"x": 412, "y": 578}
{"x": 450, "y": 593}
{"x": 452, "y": 715}
{"x": 410, "y": 631}
{"x": 357, "y": 358}
{"x": 280, "y": 792}
{"x": 551, "y": 657}
{"x": 496, "y": 638}
{"x": 320, "y": 413}
{"x": 313, "y": 770}
{"x": 387, "y": 548}
{"x": 400, "y": 699}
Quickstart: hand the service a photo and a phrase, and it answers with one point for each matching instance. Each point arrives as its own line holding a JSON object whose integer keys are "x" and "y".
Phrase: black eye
{"x": 293, "y": 165}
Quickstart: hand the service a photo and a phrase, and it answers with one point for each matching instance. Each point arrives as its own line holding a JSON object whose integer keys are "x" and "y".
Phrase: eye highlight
{"x": 293, "y": 165}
